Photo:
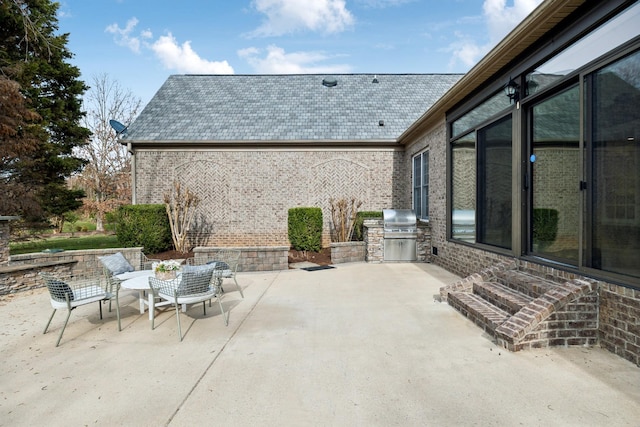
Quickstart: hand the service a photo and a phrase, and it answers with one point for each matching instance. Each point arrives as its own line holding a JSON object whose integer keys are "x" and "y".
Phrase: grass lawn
{"x": 66, "y": 242}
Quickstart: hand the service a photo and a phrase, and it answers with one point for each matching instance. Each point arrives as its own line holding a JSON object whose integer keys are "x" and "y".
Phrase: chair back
{"x": 192, "y": 281}
{"x": 59, "y": 290}
{"x": 230, "y": 257}
{"x": 195, "y": 281}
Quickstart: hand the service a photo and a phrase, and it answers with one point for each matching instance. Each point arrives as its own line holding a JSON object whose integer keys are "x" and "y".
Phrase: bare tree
{"x": 106, "y": 177}
{"x": 343, "y": 218}
{"x": 181, "y": 206}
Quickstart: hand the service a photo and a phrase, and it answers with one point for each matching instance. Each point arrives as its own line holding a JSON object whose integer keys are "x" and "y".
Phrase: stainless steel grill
{"x": 400, "y": 234}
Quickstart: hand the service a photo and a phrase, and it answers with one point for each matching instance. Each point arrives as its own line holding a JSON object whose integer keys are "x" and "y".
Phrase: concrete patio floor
{"x": 357, "y": 345}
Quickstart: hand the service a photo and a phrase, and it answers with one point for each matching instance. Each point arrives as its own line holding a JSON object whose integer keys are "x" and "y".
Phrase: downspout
{"x": 133, "y": 173}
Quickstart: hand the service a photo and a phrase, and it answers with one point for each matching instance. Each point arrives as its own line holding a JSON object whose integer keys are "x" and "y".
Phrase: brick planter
{"x": 342, "y": 252}
{"x": 253, "y": 258}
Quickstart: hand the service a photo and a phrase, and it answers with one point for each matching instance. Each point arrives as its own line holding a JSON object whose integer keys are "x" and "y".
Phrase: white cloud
{"x": 181, "y": 58}
{"x": 502, "y": 18}
{"x": 277, "y": 61}
{"x": 289, "y": 16}
{"x": 499, "y": 19}
{"x": 184, "y": 59}
{"x": 380, "y": 4}
{"x": 124, "y": 37}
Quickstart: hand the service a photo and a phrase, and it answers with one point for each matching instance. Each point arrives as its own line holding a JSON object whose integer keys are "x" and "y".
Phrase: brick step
{"x": 478, "y": 310}
{"x": 502, "y": 296}
{"x": 528, "y": 284}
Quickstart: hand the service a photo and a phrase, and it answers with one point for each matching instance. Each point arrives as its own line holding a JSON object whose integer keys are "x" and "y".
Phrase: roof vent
{"x": 329, "y": 81}
{"x": 375, "y": 79}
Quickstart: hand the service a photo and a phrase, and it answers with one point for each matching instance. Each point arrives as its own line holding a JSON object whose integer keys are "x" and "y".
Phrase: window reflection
{"x": 615, "y": 32}
{"x": 615, "y": 231}
{"x": 464, "y": 188}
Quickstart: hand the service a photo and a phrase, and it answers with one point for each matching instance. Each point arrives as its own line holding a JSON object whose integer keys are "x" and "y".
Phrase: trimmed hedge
{"x": 146, "y": 226}
{"x": 305, "y": 229}
{"x": 358, "y": 232}
{"x": 545, "y": 226}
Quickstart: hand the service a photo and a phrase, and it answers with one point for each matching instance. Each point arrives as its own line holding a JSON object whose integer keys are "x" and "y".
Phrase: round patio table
{"x": 139, "y": 281}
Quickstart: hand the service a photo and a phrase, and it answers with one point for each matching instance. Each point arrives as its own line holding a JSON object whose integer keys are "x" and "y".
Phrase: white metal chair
{"x": 226, "y": 263}
{"x": 145, "y": 263}
{"x": 74, "y": 293}
{"x": 117, "y": 268}
{"x": 191, "y": 287}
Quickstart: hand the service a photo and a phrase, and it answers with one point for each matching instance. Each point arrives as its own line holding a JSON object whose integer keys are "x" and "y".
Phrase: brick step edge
{"x": 533, "y": 286}
{"x": 502, "y": 296}
{"x": 478, "y": 310}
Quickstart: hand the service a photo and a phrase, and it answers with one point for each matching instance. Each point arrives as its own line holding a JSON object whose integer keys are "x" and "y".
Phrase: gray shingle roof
{"x": 287, "y": 107}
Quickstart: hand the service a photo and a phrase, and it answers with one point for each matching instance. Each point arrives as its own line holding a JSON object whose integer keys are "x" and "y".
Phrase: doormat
{"x": 320, "y": 267}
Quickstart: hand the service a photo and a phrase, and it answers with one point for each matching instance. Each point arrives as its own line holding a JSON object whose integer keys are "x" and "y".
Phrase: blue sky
{"x": 139, "y": 43}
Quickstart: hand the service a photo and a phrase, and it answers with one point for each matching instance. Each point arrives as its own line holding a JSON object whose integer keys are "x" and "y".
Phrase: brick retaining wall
{"x": 342, "y": 252}
{"x": 252, "y": 258}
{"x": 21, "y": 273}
{"x": 4, "y": 242}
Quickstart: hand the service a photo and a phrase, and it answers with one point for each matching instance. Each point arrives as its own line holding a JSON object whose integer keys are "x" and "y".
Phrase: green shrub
{"x": 358, "y": 232}
{"x": 305, "y": 229}
{"x": 144, "y": 225}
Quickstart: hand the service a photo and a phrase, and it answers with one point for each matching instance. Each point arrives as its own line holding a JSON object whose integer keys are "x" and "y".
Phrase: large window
{"x": 556, "y": 174}
{"x": 613, "y": 240}
{"x": 495, "y": 183}
{"x": 463, "y": 188}
{"x": 421, "y": 185}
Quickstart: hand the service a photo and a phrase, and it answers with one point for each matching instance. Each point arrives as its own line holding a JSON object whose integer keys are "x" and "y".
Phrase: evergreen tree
{"x": 45, "y": 123}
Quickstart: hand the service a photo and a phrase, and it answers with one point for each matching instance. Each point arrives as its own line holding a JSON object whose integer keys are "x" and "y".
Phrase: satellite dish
{"x": 117, "y": 126}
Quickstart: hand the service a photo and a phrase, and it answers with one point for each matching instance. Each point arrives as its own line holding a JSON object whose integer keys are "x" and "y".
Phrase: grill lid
{"x": 399, "y": 219}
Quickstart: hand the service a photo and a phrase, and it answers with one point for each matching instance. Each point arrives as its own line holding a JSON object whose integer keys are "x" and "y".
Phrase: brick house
{"x": 253, "y": 146}
{"x": 526, "y": 169}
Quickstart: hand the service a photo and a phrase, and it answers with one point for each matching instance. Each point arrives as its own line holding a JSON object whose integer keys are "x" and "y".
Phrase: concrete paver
{"x": 360, "y": 344}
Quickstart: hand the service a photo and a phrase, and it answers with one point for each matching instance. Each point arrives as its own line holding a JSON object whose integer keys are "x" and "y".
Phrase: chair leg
{"x": 225, "y": 317}
{"x": 239, "y": 288}
{"x": 178, "y": 317}
{"x": 204, "y": 307}
{"x": 49, "y": 322}
{"x": 100, "y": 305}
{"x": 63, "y": 327}
{"x": 117, "y": 310}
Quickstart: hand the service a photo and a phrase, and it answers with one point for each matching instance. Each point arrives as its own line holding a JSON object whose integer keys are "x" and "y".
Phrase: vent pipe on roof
{"x": 329, "y": 81}
{"x": 375, "y": 79}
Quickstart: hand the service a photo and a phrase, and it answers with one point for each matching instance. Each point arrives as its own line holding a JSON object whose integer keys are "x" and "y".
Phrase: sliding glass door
{"x": 555, "y": 166}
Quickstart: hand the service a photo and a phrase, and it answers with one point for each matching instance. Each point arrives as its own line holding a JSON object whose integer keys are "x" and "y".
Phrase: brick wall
{"x": 620, "y": 321}
{"x": 4, "y": 242}
{"x": 245, "y": 195}
{"x": 342, "y": 252}
{"x": 252, "y": 258}
{"x": 22, "y": 272}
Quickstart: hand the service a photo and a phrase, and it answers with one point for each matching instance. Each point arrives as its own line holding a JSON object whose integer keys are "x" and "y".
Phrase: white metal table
{"x": 139, "y": 280}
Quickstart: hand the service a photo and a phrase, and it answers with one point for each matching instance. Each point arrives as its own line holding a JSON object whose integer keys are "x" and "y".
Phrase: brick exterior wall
{"x": 245, "y": 195}
{"x": 620, "y": 321}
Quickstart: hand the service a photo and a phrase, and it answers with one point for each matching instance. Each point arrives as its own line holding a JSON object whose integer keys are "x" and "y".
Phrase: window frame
{"x": 420, "y": 189}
